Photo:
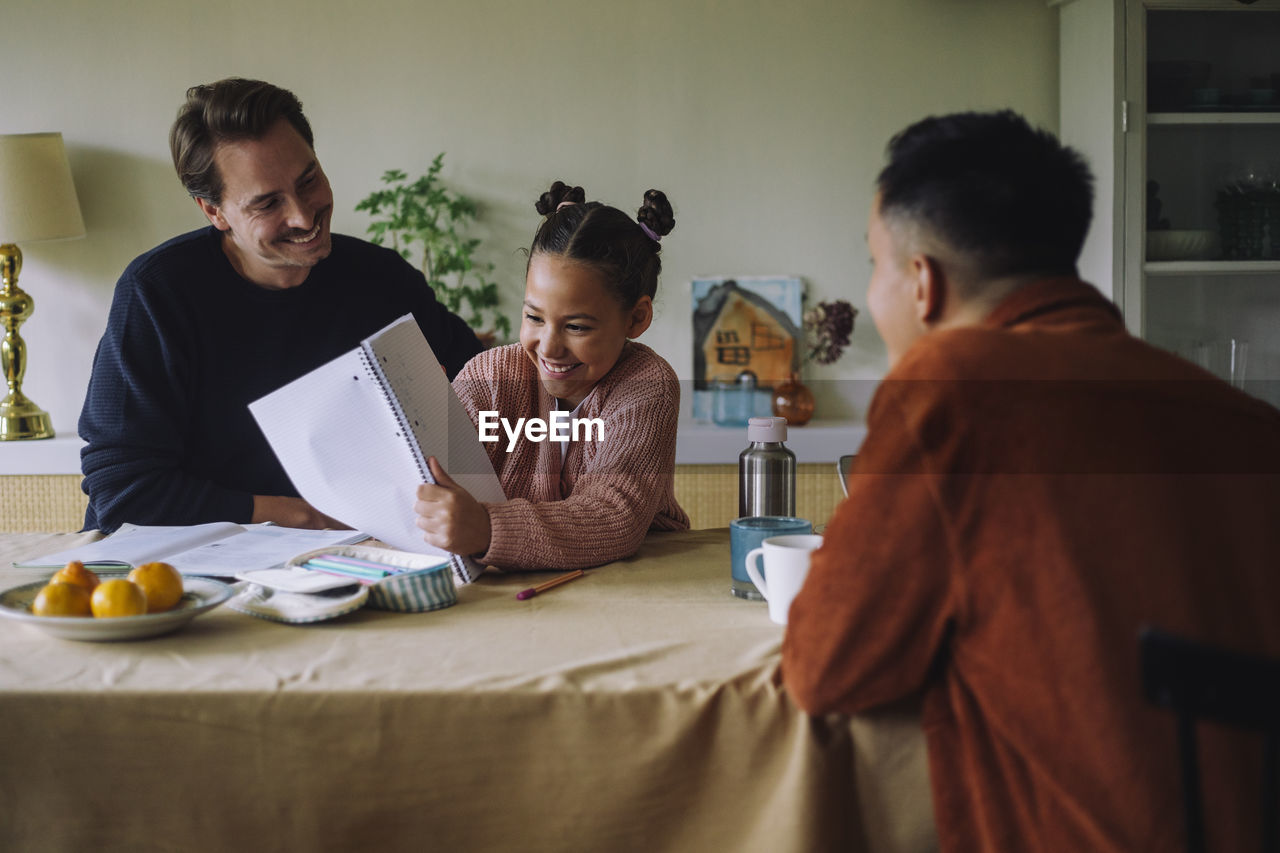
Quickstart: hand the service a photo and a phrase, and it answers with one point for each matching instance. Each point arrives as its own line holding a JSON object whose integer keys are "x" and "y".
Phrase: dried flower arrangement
{"x": 827, "y": 328}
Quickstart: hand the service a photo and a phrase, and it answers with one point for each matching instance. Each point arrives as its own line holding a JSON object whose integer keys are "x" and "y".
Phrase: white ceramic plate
{"x": 200, "y": 595}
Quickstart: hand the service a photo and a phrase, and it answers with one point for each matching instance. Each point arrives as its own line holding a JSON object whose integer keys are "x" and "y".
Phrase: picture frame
{"x": 747, "y": 331}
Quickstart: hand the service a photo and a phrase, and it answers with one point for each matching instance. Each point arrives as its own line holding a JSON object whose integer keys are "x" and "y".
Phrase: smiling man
{"x": 213, "y": 319}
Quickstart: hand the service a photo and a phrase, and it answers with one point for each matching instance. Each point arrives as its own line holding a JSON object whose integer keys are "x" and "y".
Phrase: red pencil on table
{"x": 543, "y": 587}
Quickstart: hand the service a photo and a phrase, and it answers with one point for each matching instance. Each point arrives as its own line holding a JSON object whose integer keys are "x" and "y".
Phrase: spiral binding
{"x": 376, "y": 373}
{"x": 465, "y": 569}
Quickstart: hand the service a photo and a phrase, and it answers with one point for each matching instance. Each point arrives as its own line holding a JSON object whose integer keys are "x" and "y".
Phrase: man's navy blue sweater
{"x": 189, "y": 344}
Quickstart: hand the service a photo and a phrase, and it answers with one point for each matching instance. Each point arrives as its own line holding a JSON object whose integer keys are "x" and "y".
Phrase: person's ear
{"x": 639, "y": 317}
{"x": 930, "y": 288}
{"x": 214, "y": 213}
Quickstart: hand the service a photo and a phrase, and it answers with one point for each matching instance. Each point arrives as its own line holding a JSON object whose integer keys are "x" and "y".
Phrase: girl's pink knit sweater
{"x": 598, "y": 505}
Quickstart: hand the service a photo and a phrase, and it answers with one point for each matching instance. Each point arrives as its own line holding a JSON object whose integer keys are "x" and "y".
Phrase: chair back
{"x": 1204, "y": 683}
{"x": 843, "y": 467}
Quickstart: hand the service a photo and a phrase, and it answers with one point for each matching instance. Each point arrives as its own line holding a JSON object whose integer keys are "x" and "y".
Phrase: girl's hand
{"x": 449, "y": 516}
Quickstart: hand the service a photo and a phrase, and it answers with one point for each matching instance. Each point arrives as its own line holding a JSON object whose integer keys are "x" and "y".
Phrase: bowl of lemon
{"x": 79, "y": 604}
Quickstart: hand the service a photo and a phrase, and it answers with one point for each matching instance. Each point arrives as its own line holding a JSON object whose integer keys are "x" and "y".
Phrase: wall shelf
{"x": 817, "y": 441}
{"x": 1214, "y": 117}
{"x": 696, "y": 444}
{"x": 1173, "y": 268}
{"x": 57, "y": 455}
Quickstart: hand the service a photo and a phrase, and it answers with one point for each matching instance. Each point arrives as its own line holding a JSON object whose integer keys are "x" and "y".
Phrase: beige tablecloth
{"x": 639, "y": 708}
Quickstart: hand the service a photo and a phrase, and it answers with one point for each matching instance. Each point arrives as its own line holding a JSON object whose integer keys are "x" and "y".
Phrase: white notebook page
{"x": 338, "y": 437}
{"x": 135, "y": 544}
{"x": 409, "y": 366}
{"x": 216, "y": 548}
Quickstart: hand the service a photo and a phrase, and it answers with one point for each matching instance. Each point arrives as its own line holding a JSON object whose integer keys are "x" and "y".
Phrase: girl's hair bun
{"x": 656, "y": 213}
{"x": 559, "y": 193}
{"x": 625, "y": 251}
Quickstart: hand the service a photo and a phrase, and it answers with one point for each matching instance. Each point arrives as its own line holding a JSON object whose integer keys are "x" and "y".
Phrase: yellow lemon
{"x": 160, "y": 582}
{"x": 59, "y": 598}
{"x": 75, "y": 572}
{"x": 118, "y": 597}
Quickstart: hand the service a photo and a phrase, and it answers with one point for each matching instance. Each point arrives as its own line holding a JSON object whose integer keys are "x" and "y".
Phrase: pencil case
{"x": 424, "y": 582}
{"x": 294, "y": 608}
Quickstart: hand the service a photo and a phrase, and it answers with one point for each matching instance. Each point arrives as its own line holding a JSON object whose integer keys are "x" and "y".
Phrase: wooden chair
{"x": 1199, "y": 682}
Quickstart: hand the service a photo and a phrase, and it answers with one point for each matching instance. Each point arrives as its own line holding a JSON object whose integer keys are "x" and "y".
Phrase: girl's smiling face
{"x": 573, "y": 328}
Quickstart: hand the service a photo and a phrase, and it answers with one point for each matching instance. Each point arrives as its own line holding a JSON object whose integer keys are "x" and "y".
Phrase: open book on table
{"x": 219, "y": 548}
{"x": 354, "y": 436}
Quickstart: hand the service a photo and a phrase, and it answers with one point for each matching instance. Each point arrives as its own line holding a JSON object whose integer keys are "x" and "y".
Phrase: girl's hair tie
{"x": 565, "y": 203}
{"x": 650, "y": 232}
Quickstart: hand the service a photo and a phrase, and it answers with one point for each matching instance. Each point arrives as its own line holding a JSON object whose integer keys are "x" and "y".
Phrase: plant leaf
{"x": 424, "y": 216}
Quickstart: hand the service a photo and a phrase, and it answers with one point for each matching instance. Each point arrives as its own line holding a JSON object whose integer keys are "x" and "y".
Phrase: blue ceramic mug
{"x": 745, "y": 535}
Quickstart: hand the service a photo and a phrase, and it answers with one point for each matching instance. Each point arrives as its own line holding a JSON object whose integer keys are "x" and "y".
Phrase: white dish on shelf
{"x": 1189, "y": 245}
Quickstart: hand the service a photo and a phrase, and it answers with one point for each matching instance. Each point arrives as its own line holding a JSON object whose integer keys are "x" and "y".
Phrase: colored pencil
{"x": 363, "y": 579}
{"x": 352, "y": 561}
{"x": 554, "y": 582}
{"x": 354, "y": 571}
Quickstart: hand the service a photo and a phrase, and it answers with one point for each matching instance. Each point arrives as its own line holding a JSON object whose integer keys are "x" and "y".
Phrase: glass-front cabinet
{"x": 1200, "y": 224}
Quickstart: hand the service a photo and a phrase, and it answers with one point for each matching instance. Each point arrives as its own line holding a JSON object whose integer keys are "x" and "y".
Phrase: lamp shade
{"x": 37, "y": 196}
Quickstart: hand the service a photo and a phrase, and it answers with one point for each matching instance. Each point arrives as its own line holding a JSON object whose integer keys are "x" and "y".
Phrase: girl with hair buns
{"x": 589, "y": 287}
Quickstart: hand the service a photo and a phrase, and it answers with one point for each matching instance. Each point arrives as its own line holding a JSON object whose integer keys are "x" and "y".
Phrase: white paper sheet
{"x": 339, "y": 437}
{"x": 432, "y": 411}
{"x": 218, "y": 548}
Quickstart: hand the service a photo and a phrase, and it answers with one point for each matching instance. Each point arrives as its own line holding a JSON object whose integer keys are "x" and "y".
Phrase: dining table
{"x": 640, "y": 707}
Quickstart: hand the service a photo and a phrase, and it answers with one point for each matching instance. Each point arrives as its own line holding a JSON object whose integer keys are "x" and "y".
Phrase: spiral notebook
{"x": 355, "y": 433}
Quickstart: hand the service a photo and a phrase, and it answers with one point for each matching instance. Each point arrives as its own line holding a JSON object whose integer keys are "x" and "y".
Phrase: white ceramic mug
{"x": 786, "y": 562}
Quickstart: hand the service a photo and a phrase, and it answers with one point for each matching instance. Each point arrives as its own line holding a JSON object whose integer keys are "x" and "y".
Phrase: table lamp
{"x": 37, "y": 202}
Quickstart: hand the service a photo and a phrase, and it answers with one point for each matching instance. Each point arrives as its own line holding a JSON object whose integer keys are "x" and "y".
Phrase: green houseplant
{"x": 426, "y": 222}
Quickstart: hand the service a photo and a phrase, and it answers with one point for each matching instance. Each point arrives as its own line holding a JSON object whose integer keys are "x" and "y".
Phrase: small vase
{"x": 793, "y": 400}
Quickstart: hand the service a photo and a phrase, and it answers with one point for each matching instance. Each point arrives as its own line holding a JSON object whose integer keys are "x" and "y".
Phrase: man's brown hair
{"x": 226, "y": 111}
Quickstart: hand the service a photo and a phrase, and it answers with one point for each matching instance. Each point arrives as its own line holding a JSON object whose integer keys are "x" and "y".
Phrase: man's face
{"x": 276, "y": 207}
{"x": 891, "y": 292}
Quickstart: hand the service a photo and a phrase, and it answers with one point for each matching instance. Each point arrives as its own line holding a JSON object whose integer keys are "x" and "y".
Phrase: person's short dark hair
{"x": 624, "y": 250}
{"x": 226, "y": 111}
{"x": 1014, "y": 200}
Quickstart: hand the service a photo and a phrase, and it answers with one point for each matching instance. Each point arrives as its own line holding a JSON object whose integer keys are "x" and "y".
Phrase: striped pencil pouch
{"x": 414, "y": 583}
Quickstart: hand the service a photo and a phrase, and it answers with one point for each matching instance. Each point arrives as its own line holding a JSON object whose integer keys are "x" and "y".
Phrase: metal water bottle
{"x": 767, "y": 470}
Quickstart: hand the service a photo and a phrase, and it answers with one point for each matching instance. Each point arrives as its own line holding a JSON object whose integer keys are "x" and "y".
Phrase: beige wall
{"x": 764, "y": 121}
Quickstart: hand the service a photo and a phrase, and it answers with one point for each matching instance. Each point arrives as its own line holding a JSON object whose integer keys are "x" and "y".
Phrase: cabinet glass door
{"x": 1202, "y": 269}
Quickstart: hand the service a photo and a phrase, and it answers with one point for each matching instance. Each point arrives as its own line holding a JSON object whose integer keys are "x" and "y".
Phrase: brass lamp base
{"x": 22, "y": 419}
{"x": 19, "y": 417}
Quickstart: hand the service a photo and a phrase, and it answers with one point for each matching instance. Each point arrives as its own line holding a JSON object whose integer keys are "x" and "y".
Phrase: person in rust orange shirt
{"x": 1036, "y": 485}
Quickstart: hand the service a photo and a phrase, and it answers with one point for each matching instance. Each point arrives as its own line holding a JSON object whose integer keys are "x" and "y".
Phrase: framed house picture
{"x": 744, "y": 328}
